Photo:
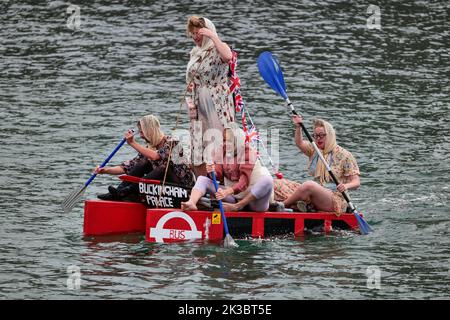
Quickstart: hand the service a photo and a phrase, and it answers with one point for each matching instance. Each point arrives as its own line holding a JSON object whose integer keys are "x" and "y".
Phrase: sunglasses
{"x": 317, "y": 136}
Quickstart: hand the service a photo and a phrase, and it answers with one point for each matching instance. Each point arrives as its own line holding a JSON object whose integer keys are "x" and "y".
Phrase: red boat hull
{"x": 112, "y": 217}
{"x": 173, "y": 225}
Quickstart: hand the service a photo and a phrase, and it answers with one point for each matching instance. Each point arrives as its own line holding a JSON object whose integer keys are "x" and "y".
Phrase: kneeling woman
{"x": 322, "y": 193}
{"x": 245, "y": 184}
{"x": 150, "y": 162}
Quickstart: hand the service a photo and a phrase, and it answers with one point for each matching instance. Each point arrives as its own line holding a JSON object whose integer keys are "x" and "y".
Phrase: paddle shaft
{"x": 333, "y": 177}
{"x": 106, "y": 161}
{"x": 216, "y": 186}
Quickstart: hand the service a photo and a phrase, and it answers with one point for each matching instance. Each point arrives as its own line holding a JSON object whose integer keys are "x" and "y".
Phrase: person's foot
{"x": 188, "y": 206}
{"x": 301, "y": 206}
{"x": 114, "y": 193}
{"x": 106, "y": 196}
{"x": 230, "y": 207}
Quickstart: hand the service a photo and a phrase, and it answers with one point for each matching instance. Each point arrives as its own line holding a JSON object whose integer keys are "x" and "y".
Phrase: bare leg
{"x": 258, "y": 197}
{"x": 191, "y": 204}
{"x": 312, "y": 192}
{"x": 203, "y": 185}
{"x": 232, "y": 207}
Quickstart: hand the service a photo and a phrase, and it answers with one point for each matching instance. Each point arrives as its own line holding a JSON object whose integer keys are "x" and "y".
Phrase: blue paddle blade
{"x": 270, "y": 71}
{"x": 364, "y": 227}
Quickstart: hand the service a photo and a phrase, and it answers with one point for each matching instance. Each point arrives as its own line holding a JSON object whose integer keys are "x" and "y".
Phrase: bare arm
{"x": 303, "y": 145}
{"x": 109, "y": 170}
{"x": 148, "y": 153}
{"x": 223, "y": 49}
{"x": 353, "y": 183}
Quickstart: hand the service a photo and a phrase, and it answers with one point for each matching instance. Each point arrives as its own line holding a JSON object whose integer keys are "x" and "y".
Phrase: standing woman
{"x": 207, "y": 96}
{"x": 322, "y": 193}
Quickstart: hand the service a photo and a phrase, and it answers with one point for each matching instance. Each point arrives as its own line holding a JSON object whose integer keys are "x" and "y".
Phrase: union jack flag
{"x": 235, "y": 83}
{"x": 253, "y": 135}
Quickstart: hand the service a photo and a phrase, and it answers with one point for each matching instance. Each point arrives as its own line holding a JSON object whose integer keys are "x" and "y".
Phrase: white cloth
{"x": 198, "y": 53}
{"x": 258, "y": 171}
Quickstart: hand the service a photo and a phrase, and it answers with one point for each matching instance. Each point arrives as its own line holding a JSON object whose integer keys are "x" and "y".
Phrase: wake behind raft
{"x": 163, "y": 221}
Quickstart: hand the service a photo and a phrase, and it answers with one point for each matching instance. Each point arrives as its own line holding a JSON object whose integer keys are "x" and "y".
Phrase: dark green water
{"x": 66, "y": 97}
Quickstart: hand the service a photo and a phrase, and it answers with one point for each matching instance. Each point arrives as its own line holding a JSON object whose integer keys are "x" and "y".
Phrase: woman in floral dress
{"x": 210, "y": 104}
{"x": 322, "y": 193}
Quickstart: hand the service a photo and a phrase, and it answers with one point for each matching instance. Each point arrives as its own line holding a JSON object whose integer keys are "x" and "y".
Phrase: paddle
{"x": 270, "y": 70}
{"x": 228, "y": 241}
{"x": 70, "y": 201}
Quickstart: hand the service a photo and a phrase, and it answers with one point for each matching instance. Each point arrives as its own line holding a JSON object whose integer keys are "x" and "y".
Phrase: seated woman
{"x": 322, "y": 193}
{"x": 150, "y": 162}
{"x": 246, "y": 181}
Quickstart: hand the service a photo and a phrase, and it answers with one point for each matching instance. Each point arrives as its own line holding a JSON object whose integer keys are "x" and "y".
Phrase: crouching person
{"x": 247, "y": 183}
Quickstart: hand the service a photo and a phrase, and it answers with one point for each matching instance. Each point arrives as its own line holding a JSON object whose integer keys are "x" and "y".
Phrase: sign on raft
{"x": 161, "y": 232}
{"x": 167, "y": 196}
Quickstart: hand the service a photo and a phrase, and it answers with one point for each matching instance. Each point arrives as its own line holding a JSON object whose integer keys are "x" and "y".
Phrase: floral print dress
{"x": 343, "y": 165}
{"x": 208, "y": 91}
{"x": 181, "y": 170}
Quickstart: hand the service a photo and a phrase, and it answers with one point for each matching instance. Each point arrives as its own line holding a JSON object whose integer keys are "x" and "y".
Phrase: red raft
{"x": 173, "y": 225}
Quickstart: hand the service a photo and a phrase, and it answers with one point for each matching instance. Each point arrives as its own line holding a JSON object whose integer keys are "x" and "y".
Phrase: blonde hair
{"x": 194, "y": 22}
{"x": 151, "y": 130}
{"x": 321, "y": 172}
{"x": 330, "y": 142}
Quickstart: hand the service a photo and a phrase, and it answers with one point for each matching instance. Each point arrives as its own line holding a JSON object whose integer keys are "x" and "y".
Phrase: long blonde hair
{"x": 321, "y": 172}
{"x": 151, "y": 129}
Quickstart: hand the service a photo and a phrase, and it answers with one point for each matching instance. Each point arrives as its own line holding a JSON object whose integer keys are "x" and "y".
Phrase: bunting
{"x": 251, "y": 134}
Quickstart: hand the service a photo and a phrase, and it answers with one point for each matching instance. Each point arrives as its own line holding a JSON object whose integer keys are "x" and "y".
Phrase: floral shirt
{"x": 136, "y": 161}
{"x": 182, "y": 170}
{"x": 343, "y": 164}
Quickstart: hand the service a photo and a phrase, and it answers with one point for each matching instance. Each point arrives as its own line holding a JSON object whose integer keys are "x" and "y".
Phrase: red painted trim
{"x": 299, "y": 227}
{"x": 327, "y": 226}
{"x": 128, "y": 178}
{"x": 257, "y": 227}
